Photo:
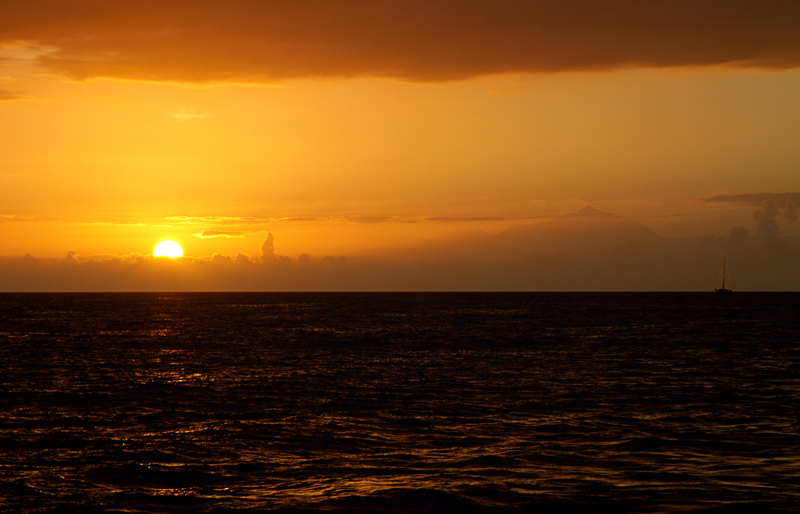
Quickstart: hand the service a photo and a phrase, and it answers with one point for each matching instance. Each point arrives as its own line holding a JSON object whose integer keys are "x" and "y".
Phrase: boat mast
{"x": 723, "y": 271}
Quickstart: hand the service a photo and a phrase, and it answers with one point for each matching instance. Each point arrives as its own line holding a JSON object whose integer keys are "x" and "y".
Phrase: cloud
{"x": 11, "y": 218}
{"x": 368, "y": 219}
{"x": 770, "y": 207}
{"x": 182, "y": 115}
{"x": 221, "y": 259}
{"x": 209, "y": 234}
{"x": 419, "y": 40}
{"x": 219, "y": 220}
{"x": 300, "y": 218}
{"x": 7, "y": 96}
{"x": 756, "y": 199}
{"x": 462, "y": 219}
{"x": 268, "y": 249}
{"x": 738, "y": 235}
{"x": 678, "y": 215}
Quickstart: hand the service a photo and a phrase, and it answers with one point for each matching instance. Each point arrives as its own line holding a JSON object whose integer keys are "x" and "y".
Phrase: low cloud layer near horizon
{"x": 417, "y": 40}
{"x": 585, "y": 251}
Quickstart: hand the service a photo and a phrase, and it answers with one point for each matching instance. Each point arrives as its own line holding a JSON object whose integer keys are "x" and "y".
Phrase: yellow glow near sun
{"x": 169, "y": 249}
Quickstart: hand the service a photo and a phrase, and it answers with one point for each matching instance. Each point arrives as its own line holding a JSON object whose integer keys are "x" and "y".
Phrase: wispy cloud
{"x": 679, "y": 215}
{"x": 9, "y": 96}
{"x": 368, "y": 219}
{"x": 11, "y": 218}
{"x": 465, "y": 219}
{"x": 182, "y": 115}
{"x": 112, "y": 223}
{"x": 300, "y": 218}
{"x": 221, "y": 220}
{"x": 756, "y": 199}
{"x": 210, "y": 234}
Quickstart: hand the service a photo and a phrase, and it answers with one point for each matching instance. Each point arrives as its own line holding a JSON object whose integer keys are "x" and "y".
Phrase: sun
{"x": 169, "y": 249}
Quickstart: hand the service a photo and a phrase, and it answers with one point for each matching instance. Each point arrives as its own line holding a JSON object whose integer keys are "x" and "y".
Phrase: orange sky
{"x": 349, "y": 126}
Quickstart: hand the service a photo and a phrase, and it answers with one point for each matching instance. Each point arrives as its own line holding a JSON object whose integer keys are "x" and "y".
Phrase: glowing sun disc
{"x": 169, "y": 249}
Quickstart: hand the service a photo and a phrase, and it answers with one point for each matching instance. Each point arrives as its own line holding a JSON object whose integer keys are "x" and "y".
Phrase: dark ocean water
{"x": 395, "y": 403}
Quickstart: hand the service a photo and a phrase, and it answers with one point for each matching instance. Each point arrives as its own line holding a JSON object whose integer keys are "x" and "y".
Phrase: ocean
{"x": 400, "y": 402}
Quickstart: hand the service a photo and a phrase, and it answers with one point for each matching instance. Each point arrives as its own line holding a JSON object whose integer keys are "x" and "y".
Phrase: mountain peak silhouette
{"x": 591, "y": 212}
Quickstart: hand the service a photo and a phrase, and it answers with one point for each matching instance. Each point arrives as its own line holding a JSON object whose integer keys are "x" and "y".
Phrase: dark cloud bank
{"x": 422, "y": 40}
{"x": 585, "y": 251}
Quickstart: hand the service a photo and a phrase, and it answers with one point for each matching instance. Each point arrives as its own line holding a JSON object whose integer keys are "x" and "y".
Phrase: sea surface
{"x": 400, "y": 403}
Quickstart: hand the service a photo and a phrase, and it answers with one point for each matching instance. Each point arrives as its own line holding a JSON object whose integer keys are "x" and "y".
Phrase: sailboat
{"x": 722, "y": 290}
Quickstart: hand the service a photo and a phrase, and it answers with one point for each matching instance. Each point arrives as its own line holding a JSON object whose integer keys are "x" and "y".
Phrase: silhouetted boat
{"x": 722, "y": 290}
